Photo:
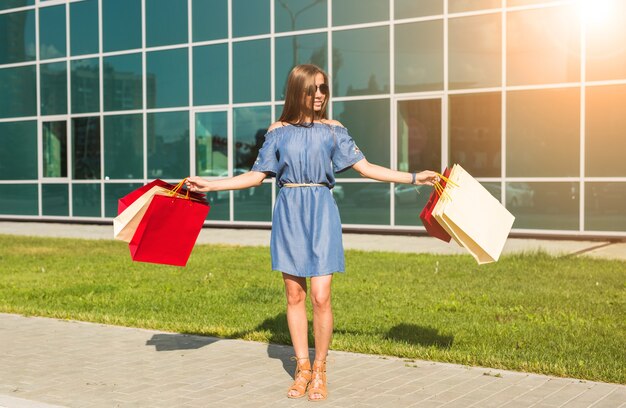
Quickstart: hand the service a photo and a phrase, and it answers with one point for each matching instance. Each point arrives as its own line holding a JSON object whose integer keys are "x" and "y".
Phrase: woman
{"x": 302, "y": 150}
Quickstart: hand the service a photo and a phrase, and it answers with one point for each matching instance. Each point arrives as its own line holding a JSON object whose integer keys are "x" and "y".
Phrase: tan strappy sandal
{"x": 318, "y": 381}
{"x": 301, "y": 378}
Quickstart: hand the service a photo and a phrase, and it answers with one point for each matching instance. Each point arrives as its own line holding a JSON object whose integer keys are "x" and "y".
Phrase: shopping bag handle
{"x": 441, "y": 190}
{"x": 175, "y": 191}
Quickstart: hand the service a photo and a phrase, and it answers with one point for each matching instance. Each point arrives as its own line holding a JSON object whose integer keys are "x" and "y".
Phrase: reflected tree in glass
{"x": 86, "y": 148}
{"x": 54, "y": 149}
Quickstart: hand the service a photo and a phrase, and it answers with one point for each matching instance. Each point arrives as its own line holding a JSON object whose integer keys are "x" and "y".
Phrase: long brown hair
{"x": 300, "y": 84}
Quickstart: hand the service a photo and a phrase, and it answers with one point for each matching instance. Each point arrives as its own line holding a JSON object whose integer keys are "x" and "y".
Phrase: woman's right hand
{"x": 197, "y": 184}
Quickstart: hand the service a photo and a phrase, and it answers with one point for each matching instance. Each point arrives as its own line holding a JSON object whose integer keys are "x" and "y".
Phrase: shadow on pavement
{"x": 169, "y": 342}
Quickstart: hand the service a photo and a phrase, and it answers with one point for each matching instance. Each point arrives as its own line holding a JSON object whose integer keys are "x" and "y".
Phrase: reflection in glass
{"x": 18, "y": 87}
{"x": 122, "y": 82}
{"x": 250, "y": 17}
{"x": 368, "y": 124}
{"x": 121, "y": 25}
{"x": 210, "y": 20}
{"x": 544, "y": 205}
{"x": 8, "y": 4}
{"x": 84, "y": 27}
{"x": 604, "y": 206}
{"x": 212, "y": 144}
{"x": 253, "y": 204}
{"x": 112, "y": 193}
{"x": 123, "y": 146}
{"x": 250, "y": 126}
{"x": 292, "y": 15}
{"x": 86, "y": 200}
{"x": 361, "y": 61}
{"x": 605, "y": 143}
{"x": 409, "y": 200}
{"x": 251, "y": 72}
{"x": 85, "y": 87}
{"x": 220, "y": 205}
{"x": 298, "y": 49}
{"x": 167, "y": 79}
{"x": 18, "y": 150}
{"x": 52, "y": 32}
{"x": 53, "y": 82}
{"x": 210, "y": 74}
{"x": 19, "y": 199}
{"x": 86, "y": 148}
{"x": 54, "y": 149}
{"x": 606, "y": 48}
{"x": 419, "y": 56}
{"x": 55, "y": 199}
{"x": 419, "y": 134}
{"x": 543, "y": 46}
{"x": 166, "y": 22}
{"x": 475, "y": 51}
{"x": 359, "y": 11}
{"x": 364, "y": 203}
{"x": 20, "y": 28}
{"x": 475, "y": 127}
{"x": 543, "y": 133}
{"x": 168, "y": 145}
{"x": 458, "y": 6}
{"x": 421, "y": 8}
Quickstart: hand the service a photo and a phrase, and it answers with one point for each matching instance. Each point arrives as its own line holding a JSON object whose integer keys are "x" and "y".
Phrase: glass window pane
{"x": 605, "y": 143}
{"x": 419, "y": 135}
{"x": 421, "y": 8}
{"x": 298, "y": 49}
{"x": 359, "y": 11}
{"x": 212, "y": 144}
{"x": 121, "y": 25}
{"x": 55, "y": 199}
{"x": 113, "y": 192}
{"x": 210, "y": 75}
{"x": 8, "y": 4}
{"x": 361, "y": 61}
{"x": 419, "y": 56}
{"x": 123, "y": 146}
{"x": 604, "y": 206}
{"x": 543, "y": 46}
{"x": 514, "y": 3}
{"x": 251, "y": 72}
{"x": 85, "y": 85}
{"x": 292, "y": 15}
{"x": 166, "y": 22}
{"x": 86, "y": 148}
{"x": 84, "y": 27}
{"x": 210, "y": 20}
{"x": 123, "y": 88}
{"x": 458, "y": 6}
{"x": 543, "y": 133}
{"x": 168, "y": 145}
{"x": 19, "y": 199}
{"x": 250, "y": 125}
{"x": 368, "y": 124}
{"x": 53, "y": 88}
{"x": 253, "y": 204}
{"x": 18, "y": 87}
{"x": 220, "y": 205}
{"x": 18, "y": 150}
{"x": 168, "y": 78}
{"x": 606, "y": 48}
{"x": 54, "y": 149}
{"x": 20, "y": 28}
{"x": 250, "y": 17}
{"x": 475, "y": 51}
{"x": 544, "y": 205}
{"x": 86, "y": 200}
{"x": 409, "y": 200}
{"x": 364, "y": 203}
{"x": 52, "y": 32}
{"x": 475, "y": 126}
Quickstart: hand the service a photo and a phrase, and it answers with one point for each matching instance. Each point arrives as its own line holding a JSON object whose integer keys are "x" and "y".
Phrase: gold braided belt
{"x": 303, "y": 185}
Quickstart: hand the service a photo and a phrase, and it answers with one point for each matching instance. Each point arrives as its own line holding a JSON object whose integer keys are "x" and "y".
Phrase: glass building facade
{"x": 98, "y": 97}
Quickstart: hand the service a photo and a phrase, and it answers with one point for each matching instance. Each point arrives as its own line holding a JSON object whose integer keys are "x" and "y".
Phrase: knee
{"x": 295, "y": 297}
{"x": 321, "y": 301}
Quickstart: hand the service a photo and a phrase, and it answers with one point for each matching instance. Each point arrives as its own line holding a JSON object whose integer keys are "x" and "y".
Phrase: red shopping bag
{"x": 168, "y": 230}
{"x": 432, "y": 226}
{"x": 131, "y": 197}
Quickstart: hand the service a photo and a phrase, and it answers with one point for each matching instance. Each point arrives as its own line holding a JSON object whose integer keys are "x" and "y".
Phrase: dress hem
{"x": 307, "y": 276}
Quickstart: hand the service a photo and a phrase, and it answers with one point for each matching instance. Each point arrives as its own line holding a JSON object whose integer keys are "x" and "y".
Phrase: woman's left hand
{"x": 426, "y": 177}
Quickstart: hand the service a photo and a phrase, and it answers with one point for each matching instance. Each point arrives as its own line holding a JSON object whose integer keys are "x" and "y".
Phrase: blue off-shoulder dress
{"x": 306, "y": 228}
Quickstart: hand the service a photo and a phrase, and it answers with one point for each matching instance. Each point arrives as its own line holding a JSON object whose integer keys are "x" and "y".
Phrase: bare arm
{"x": 240, "y": 182}
{"x": 376, "y": 172}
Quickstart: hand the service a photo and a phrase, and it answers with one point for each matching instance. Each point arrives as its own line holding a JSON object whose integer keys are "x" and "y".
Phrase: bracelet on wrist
{"x": 413, "y": 175}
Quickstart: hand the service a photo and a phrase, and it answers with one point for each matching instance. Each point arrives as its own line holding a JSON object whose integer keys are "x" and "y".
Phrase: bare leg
{"x": 322, "y": 318}
{"x": 295, "y": 289}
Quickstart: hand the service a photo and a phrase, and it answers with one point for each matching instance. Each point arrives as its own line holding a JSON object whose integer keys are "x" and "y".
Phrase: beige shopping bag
{"x": 125, "y": 224}
{"x": 473, "y": 217}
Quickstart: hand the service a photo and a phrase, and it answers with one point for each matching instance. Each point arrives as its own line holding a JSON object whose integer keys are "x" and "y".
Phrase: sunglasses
{"x": 323, "y": 88}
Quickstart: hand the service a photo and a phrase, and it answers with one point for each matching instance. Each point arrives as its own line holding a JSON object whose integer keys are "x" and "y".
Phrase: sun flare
{"x": 596, "y": 11}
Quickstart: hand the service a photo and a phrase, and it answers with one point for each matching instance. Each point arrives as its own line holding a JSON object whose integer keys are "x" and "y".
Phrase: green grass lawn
{"x": 532, "y": 312}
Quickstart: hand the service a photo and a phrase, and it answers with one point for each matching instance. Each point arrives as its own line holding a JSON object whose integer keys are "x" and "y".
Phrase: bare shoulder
{"x": 275, "y": 125}
{"x": 333, "y": 122}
